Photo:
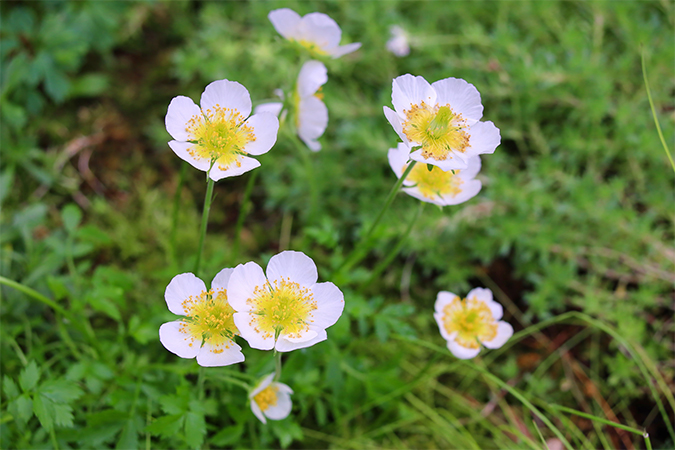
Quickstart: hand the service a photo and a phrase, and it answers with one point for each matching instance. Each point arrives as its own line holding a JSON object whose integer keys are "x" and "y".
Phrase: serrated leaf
{"x": 21, "y": 408}
{"x": 173, "y": 404}
{"x": 61, "y": 391}
{"x": 63, "y": 415}
{"x": 195, "y": 429}
{"x": 166, "y": 426}
{"x": 9, "y": 387}
{"x": 287, "y": 432}
{"x": 29, "y": 376}
{"x": 129, "y": 437}
{"x": 42, "y": 408}
{"x": 57, "y": 85}
{"x": 227, "y": 436}
{"x": 71, "y": 216}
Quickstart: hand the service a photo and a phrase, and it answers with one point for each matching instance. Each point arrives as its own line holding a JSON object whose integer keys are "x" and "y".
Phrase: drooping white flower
{"x": 317, "y": 32}
{"x": 207, "y": 329}
{"x": 286, "y": 310}
{"x": 398, "y": 43}
{"x": 311, "y": 114}
{"x": 471, "y": 322}
{"x": 435, "y": 185}
{"x": 440, "y": 121}
{"x": 218, "y": 136}
{"x": 271, "y": 400}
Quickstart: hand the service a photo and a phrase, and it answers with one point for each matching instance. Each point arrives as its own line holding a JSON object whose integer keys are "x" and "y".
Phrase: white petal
{"x": 265, "y": 127}
{"x": 469, "y": 190}
{"x": 221, "y": 280}
{"x": 303, "y": 336}
{"x": 408, "y": 90}
{"x": 245, "y": 164}
{"x": 415, "y": 192}
{"x": 504, "y": 332}
{"x": 441, "y": 328}
{"x": 180, "y": 288}
{"x": 312, "y": 121}
{"x": 181, "y": 149}
{"x": 330, "y": 302}
{"x": 242, "y": 284}
{"x": 177, "y": 342}
{"x": 273, "y": 108}
{"x": 257, "y": 412}
{"x": 262, "y": 385}
{"x": 181, "y": 110}
{"x": 462, "y": 97}
{"x": 398, "y": 159}
{"x": 285, "y": 21}
{"x": 482, "y": 294}
{"x": 243, "y": 322}
{"x": 312, "y": 76}
{"x": 224, "y": 354}
{"x": 472, "y": 170}
{"x": 344, "y": 49}
{"x": 484, "y": 138}
{"x": 294, "y": 265}
{"x": 320, "y": 29}
{"x": 443, "y": 299}
{"x": 396, "y": 123}
{"x": 445, "y": 165}
{"x": 283, "y": 407}
{"x": 284, "y": 345}
{"x": 227, "y": 94}
{"x": 462, "y": 352}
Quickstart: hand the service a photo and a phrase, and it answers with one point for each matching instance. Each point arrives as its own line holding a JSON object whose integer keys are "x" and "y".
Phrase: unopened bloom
{"x": 207, "y": 331}
{"x": 317, "y": 32}
{"x": 217, "y": 138}
{"x": 435, "y": 185}
{"x": 311, "y": 114}
{"x": 398, "y": 44}
{"x": 271, "y": 399}
{"x": 440, "y": 121}
{"x": 471, "y": 322}
{"x": 287, "y": 309}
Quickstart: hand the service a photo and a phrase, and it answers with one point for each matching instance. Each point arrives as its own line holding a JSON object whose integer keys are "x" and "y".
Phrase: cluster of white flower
{"x": 284, "y": 308}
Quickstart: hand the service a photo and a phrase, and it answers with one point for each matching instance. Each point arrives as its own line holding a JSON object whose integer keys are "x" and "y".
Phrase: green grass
{"x": 573, "y": 230}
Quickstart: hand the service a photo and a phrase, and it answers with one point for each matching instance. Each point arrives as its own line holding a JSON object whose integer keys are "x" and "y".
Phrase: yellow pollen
{"x": 439, "y": 130}
{"x": 219, "y": 135}
{"x": 312, "y": 47}
{"x": 267, "y": 397}
{"x": 435, "y": 183}
{"x": 471, "y": 319}
{"x": 208, "y": 317}
{"x": 284, "y": 306}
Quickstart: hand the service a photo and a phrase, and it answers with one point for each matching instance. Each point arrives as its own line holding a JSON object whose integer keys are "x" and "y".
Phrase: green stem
{"x": 395, "y": 251}
{"x": 205, "y": 220}
{"x": 200, "y": 383}
{"x": 598, "y": 419}
{"x": 361, "y": 249}
{"x": 651, "y": 105}
{"x": 176, "y": 207}
{"x": 243, "y": 212}
{"x": 309, "y": 169}
{"x": 277, "y": 365}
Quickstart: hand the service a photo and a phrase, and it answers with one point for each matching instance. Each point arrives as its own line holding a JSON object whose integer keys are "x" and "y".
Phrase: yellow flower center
{"x": 209, "y": 317}
{"x": 435, "y": 182}
{"x": 312, "y": 47}
{"x": 267, "y": 397}
{"x": 286, "y": 307}
{"x": 438, "y": 130}
{"x": 220, "y": 135}
{"x": 471, "y": 319}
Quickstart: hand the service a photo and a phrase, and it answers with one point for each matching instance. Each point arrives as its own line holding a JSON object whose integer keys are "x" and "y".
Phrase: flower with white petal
{"x": 287, "y": 309}
{"x": 317, "y": 32}
{"x": 399, "y": 43}
{"x": 435, "y": 185}
{"x": 218, "y": 138}
{"x": 471, "y": 322}
{"x": 207, "y": 329}
{"x": 440, "y": 121}
{"x": 271, "y": 400}
{"x": 311, "y": 114}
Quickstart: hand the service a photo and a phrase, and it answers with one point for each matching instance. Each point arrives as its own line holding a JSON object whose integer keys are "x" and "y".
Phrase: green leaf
{"x": 129, "y": 437}
{"x": 71, "y": 216}
{"x": 57, "y": 85}
{"x": 195, "y": 429}
{"x": 228, "y": 435}
{"x": 63, "y": 415}
{"x": 287, "y": 432}
{"x": 89, "y": 85}
{"x": 29, "y": 377}
{"x": 93, "y": 235}
{"x": 44, "y": 412}
{"x": 14, "y": 115}
{"x": 61, "y": 391}
{"x": 6, "y": 183}
{"x": 166, "y": 426}
{"x": 58, "y": 287}
{"x": 430, "y": 167}
{"x": 9, "y": 387}
{"x": 21, "y": 408}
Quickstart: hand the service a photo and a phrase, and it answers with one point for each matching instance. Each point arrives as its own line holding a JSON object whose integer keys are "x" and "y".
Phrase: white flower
{"x": 287, "y": 309}
{"x": 270, "y": 399}
{"x": 311, "y": 114}
{"x": 436, "y": 186}
{"x": 442, "y": 119}
{"x": 398, "y": 44}
{"x": 218, "y": 136}
{"x": 468, "y": 323}
{"x": 317, "y": 32}
{"x": 207, "y": 331}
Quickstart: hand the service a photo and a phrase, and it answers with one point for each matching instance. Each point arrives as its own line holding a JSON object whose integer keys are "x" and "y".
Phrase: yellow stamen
{"x": 209, "y": 317}
{"x": 435, "y": 183}
{"x": 220, "y": 135}
{"x": 312, "y": 47}
{"x": 284, "y": 307}
{"x": 471, "y": 319}
{"x": 438, "y": 130}
{"x": 267, "y": 397}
